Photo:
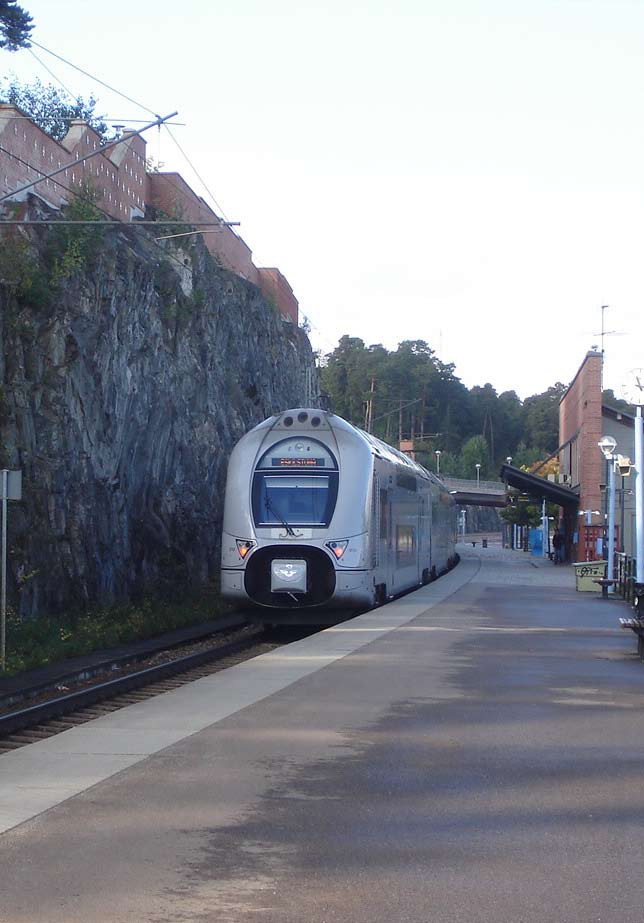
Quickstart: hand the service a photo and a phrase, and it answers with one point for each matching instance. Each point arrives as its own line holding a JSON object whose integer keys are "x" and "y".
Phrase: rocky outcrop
{"x": 129, "y": 368}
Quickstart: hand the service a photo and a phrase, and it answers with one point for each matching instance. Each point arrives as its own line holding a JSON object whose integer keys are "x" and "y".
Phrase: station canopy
{"x": 539, "y": 488}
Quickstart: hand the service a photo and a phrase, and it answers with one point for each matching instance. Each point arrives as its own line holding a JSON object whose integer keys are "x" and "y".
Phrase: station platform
{"x": 471, "y": 751}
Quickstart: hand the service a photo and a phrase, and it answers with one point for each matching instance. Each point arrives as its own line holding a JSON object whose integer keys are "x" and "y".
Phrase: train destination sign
{"x": 293, "y": 462}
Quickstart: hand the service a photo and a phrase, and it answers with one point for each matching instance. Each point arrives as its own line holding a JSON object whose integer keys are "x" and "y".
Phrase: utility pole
{"x": 422, "y": 417}
{"x": 370, "y": 404}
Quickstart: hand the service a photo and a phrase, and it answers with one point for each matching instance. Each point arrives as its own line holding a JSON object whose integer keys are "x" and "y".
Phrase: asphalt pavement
{"x": 478, "y": 758}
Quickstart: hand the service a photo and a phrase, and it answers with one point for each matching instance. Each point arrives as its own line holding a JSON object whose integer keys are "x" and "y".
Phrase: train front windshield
{"x": 295, "y": 484}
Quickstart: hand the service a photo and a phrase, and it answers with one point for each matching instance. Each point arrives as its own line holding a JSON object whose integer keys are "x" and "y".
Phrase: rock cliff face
{"x": 128, "y": 370}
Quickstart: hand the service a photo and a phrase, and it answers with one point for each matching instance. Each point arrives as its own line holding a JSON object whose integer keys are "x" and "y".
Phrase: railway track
{"x": 57, "y": 713}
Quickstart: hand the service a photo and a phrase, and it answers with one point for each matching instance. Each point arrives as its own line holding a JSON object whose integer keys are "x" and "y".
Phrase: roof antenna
{"x": 604, "y": 306}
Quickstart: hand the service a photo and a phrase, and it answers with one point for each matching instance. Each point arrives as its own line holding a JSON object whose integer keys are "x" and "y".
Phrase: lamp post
{"x": 608, "y": 445}
{"x": 639, "y": 497}
{"x": 437, "y": 453}
{"x": 509, "y": 459}
{"x": 478, "y": 474}
{"x": 463, "y": 512}
{"x": 633, "y": 391}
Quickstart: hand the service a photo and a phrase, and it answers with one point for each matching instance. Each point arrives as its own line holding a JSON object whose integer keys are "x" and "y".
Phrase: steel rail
{"x": 121, "y": 656}
{"x": 76, "y": 701}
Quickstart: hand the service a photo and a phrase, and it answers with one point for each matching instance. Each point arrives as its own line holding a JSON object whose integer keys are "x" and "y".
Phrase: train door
{"x": 425, "y": 537}
{"x": 384, "y": 566}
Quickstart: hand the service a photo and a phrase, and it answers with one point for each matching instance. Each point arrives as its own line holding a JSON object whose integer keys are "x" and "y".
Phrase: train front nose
{"x": 295, "y": 575}
{"x": 288, "y": 576}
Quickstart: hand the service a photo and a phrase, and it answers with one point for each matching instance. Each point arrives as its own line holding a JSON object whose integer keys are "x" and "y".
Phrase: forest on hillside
{"x": 409, "y": 393}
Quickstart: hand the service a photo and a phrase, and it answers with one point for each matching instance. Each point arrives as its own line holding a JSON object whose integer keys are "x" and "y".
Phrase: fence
{"x": 625, "y": 576}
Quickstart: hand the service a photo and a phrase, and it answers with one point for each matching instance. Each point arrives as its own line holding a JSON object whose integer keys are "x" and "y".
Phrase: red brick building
{"x": 118, "y": 174}
{"x": 580, "y": 429}
{"x": 119, "y": 177}
{"x": 583, "y": 420}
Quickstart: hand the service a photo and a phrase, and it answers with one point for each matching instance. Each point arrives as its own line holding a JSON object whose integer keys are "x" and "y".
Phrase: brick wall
{"x": 580, "y": 424}
{"x": 275, "y": 287}
{"x": 170, "y": 193}
{"x": 118, "y": 175}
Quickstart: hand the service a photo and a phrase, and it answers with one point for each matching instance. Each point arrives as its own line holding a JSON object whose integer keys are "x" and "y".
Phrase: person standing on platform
{"x": 559, "y": 544}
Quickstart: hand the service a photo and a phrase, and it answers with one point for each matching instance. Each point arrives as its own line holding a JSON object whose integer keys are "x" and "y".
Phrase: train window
{"x": 295, "y": 484}
{"x": 405, "y": 545}
{"x": 384, "y": 515}
{"x": 295, "y": 500}
{"x": 406, "y": 481}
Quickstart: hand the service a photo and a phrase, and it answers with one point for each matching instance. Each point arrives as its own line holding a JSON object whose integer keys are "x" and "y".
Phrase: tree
{"x": 475, "y": 452}
{"x": 520, "y": 513}
{"x": 49, "y": 109}
{"x": 617, "y": 403}
{"x": 541, "y": 419}
{"x": 15, "y": 26}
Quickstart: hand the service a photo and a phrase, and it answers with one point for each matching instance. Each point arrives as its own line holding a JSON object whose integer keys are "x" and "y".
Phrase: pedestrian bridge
{"x": 477, "y": 493}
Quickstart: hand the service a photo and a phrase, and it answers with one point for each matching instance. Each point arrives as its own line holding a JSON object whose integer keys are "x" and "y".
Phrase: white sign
{"x": 14, "y": 485}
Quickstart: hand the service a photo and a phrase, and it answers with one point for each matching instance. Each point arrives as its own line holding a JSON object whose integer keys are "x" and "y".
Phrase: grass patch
{"x": 37, "y": 642}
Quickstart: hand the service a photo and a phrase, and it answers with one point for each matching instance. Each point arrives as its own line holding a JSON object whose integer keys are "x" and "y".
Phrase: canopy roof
{"x": 539, "y": 488}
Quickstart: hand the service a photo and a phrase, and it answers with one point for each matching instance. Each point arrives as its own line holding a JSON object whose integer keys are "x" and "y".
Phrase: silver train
{"x": 321, "y": 516}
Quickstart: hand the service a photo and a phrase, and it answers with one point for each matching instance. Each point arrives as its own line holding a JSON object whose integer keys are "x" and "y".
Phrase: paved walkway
{"x": 471, "y": 753}
{"x": 505, "y": 566}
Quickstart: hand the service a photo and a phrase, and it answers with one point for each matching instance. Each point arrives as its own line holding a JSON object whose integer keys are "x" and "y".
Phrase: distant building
{"x": 583, "y": 420}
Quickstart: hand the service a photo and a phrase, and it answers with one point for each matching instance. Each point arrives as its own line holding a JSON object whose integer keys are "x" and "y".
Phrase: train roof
{"x": 332, "y": 421}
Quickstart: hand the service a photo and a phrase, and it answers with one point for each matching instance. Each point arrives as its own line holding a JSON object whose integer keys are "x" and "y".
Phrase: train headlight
{"x": 338, "y": 548}
{"x": 243, "y": 547}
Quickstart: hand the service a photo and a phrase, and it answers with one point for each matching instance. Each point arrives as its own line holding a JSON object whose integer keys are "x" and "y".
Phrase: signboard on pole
{"x": 14, "y": 485}
{"x": 11, "y": 489}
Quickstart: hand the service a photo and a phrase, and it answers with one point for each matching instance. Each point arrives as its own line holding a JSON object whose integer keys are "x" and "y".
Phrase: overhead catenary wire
{"x": 43, "y": 176}
{"x": 195, "y": 171}
{"x": 97, "y": 79}
{"x": 157, "y": 121}
{"x": 51, "y": 73}
{"x": 142, "y": 106}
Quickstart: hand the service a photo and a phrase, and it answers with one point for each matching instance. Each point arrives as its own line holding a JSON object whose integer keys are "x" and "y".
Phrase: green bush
{"x": 36, "y": 642}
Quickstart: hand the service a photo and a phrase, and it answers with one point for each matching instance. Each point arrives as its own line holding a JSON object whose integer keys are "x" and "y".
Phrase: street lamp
{"x": 608, "y": 445}
{"x": 478, "y": 473}
{"x": 509, "y": 459}
{"x": 437, "y": 453}
{"x": 463, "y": 514}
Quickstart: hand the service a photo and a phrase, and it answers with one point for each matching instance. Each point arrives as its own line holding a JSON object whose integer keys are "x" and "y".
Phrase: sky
{"x": 464, "y": 172}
